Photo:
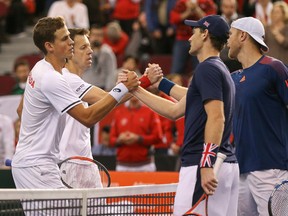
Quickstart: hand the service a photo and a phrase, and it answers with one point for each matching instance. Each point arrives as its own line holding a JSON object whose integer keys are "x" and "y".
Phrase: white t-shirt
{"x": 78, "y": 13}
{"x": 47, "y": 96}
{"x": 7, "y": 139}
{"x": 75, "y": 140}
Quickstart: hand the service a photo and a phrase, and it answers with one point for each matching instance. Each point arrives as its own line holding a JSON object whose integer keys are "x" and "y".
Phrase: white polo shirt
{"x": 75, "y": 140}
{"x": 47, "y": 96}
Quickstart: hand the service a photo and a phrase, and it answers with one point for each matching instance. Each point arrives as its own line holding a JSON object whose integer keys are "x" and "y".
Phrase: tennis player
{"x": 75, "y": 140}
{"x": 261, "y": 123}
{"x": 208, "y": 107}
{"x": 47, "y": 97}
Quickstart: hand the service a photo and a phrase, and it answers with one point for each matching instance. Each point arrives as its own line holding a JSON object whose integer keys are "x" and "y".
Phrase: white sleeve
{"x": 78, "y": 86}
{"x": 9, "y": 138}
{"x": 82, "y": 20}
{"x": 59, "y": 93}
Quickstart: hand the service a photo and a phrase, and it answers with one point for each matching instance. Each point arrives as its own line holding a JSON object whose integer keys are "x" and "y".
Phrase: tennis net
{"x": 130, "y": 200}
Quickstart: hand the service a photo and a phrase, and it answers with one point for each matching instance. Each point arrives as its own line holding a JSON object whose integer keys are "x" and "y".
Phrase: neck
{"x": 249, "y": 57}
{"x": 73, "y": 69}
{"x": 207, "y": 53}
{"x": 56, "y": 63}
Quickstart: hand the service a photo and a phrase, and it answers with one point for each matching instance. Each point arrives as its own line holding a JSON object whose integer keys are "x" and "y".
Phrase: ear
{"x": 243, "y": 36}
{"x": 205, "y": 34}
{"x": 49, "y": 47}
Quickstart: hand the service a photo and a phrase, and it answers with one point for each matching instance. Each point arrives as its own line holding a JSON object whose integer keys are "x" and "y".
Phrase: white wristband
{"x": 118, "y": 92}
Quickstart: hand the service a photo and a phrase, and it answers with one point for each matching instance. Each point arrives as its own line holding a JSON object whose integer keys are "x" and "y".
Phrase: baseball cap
{"x": 253, "y": 27}
{"x": 215, "y": 24}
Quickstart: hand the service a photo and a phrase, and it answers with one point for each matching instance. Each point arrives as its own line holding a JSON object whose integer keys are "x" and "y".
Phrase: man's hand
{"x": 154, "y": 73}
{"x": 132, "y": 81}
{"x": 209, "y": 182}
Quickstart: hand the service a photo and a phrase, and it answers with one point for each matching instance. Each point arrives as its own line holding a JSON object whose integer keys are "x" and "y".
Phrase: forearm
{"x": 214, "y": 130}
{"x": 160, "y": 105}
{"x": 178, "y": 92}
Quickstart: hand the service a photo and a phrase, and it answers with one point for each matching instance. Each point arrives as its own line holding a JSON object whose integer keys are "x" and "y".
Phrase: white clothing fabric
{"x": 264, "y": 15}
{"x": 47, "y": 96}
{"x": 75, "y": 140}
{"x": 255, "y": 189}
{"x": 81, "y": 175}
{"x": 7, "y": 139}
{"x": 75, "y": 17}
{"x": 42, "y": 177}
{"x": 222, "y": 203}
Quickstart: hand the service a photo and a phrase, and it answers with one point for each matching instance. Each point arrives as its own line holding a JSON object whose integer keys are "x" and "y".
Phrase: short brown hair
{"x": 21, "y": 62}
{"x": 44, "y": 31}
{"x": 78, "y": 31}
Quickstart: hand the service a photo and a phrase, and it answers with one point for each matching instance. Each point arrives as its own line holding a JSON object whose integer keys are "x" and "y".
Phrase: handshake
{"x": 152, "y": 75}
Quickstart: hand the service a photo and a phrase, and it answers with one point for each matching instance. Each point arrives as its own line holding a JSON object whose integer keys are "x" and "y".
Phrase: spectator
{"x": 7, "y": 139}
{"x": 116, "y": 38}
{"x": 74, "y": 12}
{"x": 134, "y": 130}
{"x": 104, "y": 148}
{"x": 104, "y": 65}
{"x": 129, "y": 63}
{"x": 98, "y": 11}
{"x": 263, "y": 10}
{"x": 21, "y": 70}
{"x": 4, "y": 7}
{"x": 276, "y": 36}
{"x": 140, "y": 44}
{"x": 126, "y": 12}
{"x": 229, "y": 12}
{"x": 158, "y": 24}
{"x": 187, "y": 9}
{"x": 16, "y": 18}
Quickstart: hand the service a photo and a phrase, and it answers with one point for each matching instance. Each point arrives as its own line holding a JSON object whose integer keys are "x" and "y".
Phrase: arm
{"x": 172, "y": 110}
{"x": 20, "y": 107}
{"x": 94, "y": 113}
{"x": 213, "y": 134}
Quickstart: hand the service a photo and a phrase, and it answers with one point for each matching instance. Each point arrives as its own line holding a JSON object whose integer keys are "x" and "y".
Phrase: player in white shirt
{"x": 75, "y": 13}
{"x": 47, "y": 97}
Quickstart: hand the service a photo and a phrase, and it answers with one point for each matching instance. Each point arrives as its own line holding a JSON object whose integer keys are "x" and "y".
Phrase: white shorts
{"x": 40, "y": 177}
{"x": 222, "y": 203}
{"x": 255, "y": 189}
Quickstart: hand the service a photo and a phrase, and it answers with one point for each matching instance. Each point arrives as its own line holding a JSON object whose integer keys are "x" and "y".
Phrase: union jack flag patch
{"x": 209, "y": 154}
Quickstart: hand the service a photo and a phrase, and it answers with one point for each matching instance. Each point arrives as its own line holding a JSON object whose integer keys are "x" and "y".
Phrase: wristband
{"x": 209, "y": 155}
{"x": 165, "y": 86}
{"x": 118, "y": 92}
{"x": 145, "y": 82}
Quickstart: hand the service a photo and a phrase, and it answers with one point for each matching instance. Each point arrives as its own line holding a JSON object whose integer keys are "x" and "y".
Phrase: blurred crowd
{"x": 127, "y": 34}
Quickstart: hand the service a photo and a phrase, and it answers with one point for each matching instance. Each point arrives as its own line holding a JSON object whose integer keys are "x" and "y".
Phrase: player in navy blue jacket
{"x": 260, "y": 118}
{"x": 208, "y": 105}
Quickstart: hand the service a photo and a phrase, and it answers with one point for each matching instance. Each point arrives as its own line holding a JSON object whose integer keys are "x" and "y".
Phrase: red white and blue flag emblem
{"x": 209, "y": 155}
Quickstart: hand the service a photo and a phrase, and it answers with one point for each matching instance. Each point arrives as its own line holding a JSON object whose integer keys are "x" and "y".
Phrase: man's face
{"x": 82, "y": 52}
{"x": 195, "y": 41}
{"x": 62, "y": 46}
{"x": 96, "y": 37}
{"x": 233, "y": 43}
{"x": 228, "y": 7}
{"x": 22, "y": 72}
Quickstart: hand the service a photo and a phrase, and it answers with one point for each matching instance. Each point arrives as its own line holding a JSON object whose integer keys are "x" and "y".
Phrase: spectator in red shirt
{"x": 116, "y": 38}
{"x": 126, "y": 12}
{"x": 134, "y": 130}
{"x": 192, "y": 10}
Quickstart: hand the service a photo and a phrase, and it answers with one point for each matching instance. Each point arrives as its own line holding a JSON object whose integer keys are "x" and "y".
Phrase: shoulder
{"x": 274, "y": 64}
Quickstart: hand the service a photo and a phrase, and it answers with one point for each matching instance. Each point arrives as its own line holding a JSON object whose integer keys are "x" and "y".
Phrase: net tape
{"x": 130, "y": 200}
